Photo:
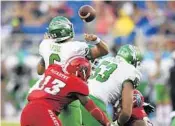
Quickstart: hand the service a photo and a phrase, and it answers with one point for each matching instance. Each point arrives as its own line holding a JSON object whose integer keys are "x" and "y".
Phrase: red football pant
{"x": 38, "y": 115}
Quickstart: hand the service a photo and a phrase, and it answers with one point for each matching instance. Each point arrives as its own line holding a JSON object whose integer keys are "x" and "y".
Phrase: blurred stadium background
{"x": 149, "y": 25}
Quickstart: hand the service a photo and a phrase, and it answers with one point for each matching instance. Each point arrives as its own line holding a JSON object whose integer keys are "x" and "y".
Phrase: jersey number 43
{"x": 103, "y": 71}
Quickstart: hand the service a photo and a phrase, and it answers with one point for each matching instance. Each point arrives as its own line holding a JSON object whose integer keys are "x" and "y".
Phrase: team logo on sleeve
{"x": 137, "y": 100}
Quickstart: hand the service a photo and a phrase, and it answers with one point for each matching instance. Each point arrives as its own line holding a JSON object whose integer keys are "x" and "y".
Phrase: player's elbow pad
{"x": 96, "y": 112}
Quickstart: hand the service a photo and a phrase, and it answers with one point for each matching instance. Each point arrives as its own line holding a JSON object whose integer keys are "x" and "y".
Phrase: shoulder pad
{"x": 134, "y": 76}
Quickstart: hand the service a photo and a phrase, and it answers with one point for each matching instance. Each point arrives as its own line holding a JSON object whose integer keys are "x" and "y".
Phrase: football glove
{"x": 148, "y": 108}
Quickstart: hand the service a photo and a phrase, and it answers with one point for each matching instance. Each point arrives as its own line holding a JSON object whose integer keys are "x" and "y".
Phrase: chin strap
{"x": 97, "y": 113}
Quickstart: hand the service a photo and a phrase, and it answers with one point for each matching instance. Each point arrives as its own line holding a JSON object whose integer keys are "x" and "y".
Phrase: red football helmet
{"x": 138, "y": 99}
{"x": 78, "y": 66}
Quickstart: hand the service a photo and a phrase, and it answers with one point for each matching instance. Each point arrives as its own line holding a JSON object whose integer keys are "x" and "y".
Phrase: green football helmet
{"x": 60, "y": 28}
{"x": 131, "y": 54}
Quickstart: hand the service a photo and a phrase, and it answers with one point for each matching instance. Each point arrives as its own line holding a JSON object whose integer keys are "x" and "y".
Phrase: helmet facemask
{"x": 78, "y": 66}
{"x": 82, "y": 73}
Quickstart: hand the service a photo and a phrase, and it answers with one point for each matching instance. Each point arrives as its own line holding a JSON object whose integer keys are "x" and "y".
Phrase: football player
{"x": 115, "y": 78}
{"x": 140, "y": 110}
{"x": 60, "y": 86}
{"x": 60, "y": 46}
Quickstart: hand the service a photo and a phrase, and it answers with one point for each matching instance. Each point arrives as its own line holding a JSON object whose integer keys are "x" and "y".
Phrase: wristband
{"x": 98, "y": 40}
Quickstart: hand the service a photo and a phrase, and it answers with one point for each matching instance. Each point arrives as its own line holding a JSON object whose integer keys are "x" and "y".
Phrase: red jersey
{"x": 56, "y": 87}
{"x": 138, "y": 112}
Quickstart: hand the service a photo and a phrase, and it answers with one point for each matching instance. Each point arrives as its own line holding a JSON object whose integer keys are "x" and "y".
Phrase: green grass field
{"x": 5, "y": 123}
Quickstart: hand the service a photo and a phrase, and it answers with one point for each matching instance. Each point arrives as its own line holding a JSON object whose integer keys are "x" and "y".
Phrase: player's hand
{"x": 90, "y": 37}
{"x": 148, "y": 108}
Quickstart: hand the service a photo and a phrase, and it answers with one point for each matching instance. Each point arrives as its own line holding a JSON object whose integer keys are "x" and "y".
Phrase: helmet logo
{"x": 138, "y": 100}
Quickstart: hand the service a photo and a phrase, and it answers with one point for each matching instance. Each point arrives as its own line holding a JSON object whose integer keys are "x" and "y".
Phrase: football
{"x": 87, "y": 13}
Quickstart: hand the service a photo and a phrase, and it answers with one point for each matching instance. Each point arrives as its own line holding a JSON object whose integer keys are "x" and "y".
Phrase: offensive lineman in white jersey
{"x": 115, "y": 78}
{"x": 59, "y": 47}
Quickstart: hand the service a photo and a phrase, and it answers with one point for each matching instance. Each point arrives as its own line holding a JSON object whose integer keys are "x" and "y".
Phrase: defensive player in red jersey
{"x": 60, "y": 86}
{"x": 140, "y": 110}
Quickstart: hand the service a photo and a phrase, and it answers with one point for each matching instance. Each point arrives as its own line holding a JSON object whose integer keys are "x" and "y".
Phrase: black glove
{"x": 148, "y": 108}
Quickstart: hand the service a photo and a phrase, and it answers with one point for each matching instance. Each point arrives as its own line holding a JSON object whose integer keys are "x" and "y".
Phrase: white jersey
{"x": 107, "y": 79}
{"x": 58, "y": 53}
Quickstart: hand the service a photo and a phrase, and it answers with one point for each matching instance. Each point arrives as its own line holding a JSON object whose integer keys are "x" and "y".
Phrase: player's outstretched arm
{"x": 96, "y": 112}
{"x": 41, "y": 67}
{"x": 127, "y": 103}
{"x": 100, "y": 49}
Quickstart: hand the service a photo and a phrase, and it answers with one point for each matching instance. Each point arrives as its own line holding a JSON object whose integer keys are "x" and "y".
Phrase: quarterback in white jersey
{"x": 115, "y": 78}
{"x": 59, "y": 46}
